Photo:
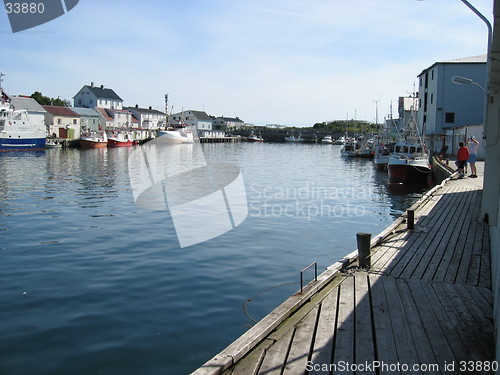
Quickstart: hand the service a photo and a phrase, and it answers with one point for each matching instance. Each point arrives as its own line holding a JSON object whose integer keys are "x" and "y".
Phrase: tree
{"x": 45, "y": 100}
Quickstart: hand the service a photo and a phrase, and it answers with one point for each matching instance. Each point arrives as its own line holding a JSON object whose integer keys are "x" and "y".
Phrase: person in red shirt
{"x": 462, "y": 157}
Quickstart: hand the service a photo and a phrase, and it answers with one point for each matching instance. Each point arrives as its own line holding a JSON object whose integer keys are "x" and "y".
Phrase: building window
{"x": 74, "y": 121}
{"x": 432, "y": 74}
{"x": 432, "y": 98}
{"x": 449, "y": 117}
{"x": 58, "y": 121}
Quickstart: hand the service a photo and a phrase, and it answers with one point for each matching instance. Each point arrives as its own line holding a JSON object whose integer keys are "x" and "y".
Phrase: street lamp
{"x": 465, "y": 81}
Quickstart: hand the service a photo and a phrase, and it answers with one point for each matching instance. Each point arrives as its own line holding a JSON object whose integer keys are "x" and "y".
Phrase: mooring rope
{"x": 245, "y": 304}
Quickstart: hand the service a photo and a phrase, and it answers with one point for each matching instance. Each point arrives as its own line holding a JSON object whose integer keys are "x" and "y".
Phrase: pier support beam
{"x": 364, "y": 249}
{"x": 410, "y": 220}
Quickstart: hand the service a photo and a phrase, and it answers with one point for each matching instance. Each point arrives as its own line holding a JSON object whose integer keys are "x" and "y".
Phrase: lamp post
{"x": 465, "y": 81}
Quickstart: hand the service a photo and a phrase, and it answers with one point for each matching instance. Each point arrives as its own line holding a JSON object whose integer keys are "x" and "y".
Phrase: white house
{"x": 199, "y": 119}
{"x": 228, "y": 122}
{"x": 444, "y": 105}
{"x": 148, "y": 118}
{"x": 92, "y": 97}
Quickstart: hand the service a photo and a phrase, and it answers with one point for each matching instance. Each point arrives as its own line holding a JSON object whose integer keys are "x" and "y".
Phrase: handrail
{"x": 315, "y": 264}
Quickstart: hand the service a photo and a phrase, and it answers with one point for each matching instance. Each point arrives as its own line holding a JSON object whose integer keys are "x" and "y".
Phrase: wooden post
{"x": 364, "y": 240}
{"x": 410, "y": 220}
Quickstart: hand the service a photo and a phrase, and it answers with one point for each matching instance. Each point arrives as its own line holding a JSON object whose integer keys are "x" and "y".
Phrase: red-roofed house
{"x": 62, "y": 121}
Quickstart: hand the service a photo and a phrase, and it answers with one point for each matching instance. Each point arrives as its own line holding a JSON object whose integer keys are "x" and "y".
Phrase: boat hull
{"x": 117, "y": 143}
{"x": 22, "y": 144}
{"x": 92, "y": 144}
{"x": 407, "y": 173}
{"x": 173, "y": 136}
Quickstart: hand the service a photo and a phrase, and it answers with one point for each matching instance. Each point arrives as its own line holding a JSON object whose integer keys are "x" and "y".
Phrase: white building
{"x": 148, "y": 118}
{"x": 116, "y": 118}
{"x": 228, "y": 122}
{"x": 199, "y": 119}
{"x": 89, "y": 118}
{"x": 92, "y": 97}
{"x": 444, "y": 105}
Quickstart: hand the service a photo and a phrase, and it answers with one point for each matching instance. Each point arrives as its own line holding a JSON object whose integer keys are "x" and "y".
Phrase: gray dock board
{"x": 363, "y": 344}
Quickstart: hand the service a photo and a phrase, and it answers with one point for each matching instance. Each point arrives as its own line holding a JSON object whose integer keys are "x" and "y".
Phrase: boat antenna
{"x": 1, "y": 80}
{"x": 166, "y": 110}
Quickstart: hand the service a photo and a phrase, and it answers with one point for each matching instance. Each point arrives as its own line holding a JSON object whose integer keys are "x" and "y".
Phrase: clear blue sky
{"x": 293, "y": 62}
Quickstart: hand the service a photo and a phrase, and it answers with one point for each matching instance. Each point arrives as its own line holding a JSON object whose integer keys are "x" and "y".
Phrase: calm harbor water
{"x": 91, "y": 283}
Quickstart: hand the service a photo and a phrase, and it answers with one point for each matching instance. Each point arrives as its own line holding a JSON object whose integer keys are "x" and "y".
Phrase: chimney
{"x": 102, "y": 86}
{"x": 91, "y": 84}
{"x": 137, "y": 106}
{"x": 150, "y": 108}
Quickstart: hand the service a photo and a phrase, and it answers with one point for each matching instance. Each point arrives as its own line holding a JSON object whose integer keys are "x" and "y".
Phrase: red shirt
{"x": 463, "y": 154}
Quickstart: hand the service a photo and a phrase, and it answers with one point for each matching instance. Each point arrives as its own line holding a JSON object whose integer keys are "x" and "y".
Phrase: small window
{"x": 449, "y": 117}
{"x": 74, "y": 121}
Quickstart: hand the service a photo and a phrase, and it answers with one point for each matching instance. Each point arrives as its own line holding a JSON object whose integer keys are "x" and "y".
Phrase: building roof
{"x": 102, "y": 92}
{"x": 85, "y": 112}
{"x": 230, "y": 119}
{"x": 200, "y": 115}
{"x": 145, "y": 110}
{"x": 25, "y": 102}
{"x": 480, "y": 59}
{"x": 60, "y": 111}
{"x": 103, "y": 113}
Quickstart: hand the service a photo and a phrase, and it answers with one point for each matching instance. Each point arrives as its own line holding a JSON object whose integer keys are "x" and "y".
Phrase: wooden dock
{"x": 424, "y": 306}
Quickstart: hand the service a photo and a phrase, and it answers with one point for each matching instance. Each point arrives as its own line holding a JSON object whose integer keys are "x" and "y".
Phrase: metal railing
{"x": 302, "y": 275}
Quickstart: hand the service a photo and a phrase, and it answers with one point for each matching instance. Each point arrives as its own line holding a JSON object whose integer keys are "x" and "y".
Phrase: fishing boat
{"x": 381, "y": 155}
{"x": 254, "y": 138}
{"x": 18, "y": 130}
{"x": 93, "y": 139}
{"x": 327, "y": 139}
{"x": 293, "y": 138}
{"x": 409, "y": 163}
{"x": 120, "y": 139}
{"x": 350, "y": 148}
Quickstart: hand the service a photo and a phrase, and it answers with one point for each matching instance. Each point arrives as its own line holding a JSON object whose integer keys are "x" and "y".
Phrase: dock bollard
{"x": 410, "y": 220}
{"x": 364, "y": 240}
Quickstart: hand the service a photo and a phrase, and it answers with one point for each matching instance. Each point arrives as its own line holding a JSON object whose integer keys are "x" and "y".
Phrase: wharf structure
{"x": 424, "y": 305}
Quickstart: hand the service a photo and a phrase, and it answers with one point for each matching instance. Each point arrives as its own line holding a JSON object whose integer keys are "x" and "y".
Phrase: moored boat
{"x": 18, "y": 130}
{"x": 293, "y": 138}
{"x": 350, "y": 148}
{"x": 409, "y": 163}
{"x": 52, "y": 144}
{"x": 254, "y": 138}
{"x": 94, "y": 139}
{"x": 327, "y": 139}
{"x": 120, "y": 139}
{"x": 179, "y": 134}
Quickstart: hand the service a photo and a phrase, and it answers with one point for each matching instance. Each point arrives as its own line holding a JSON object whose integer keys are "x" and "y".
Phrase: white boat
{"x": 52, "y": 144}
{"x": 181, "y": 134}
{"x": 94, "y": 139}
{"x": 327, "y": 139}
{"x": 293, "y": 138}
{"x": 381, "y": 156}
{"x": 254, "y": 138}
{"x": 18, "y": 131}
{"x": 341, "y": 141}
{"x": 350, "y": 148}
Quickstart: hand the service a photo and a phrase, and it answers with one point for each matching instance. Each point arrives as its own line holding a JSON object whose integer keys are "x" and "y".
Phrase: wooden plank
{"x": 344, "y": 337}
{"x": 418, "y": 333}
{"x": 250, "y": 364}
{"x": 406, "y": 349}
{"x": 485, "y": 266}
{"x": 469, "y": 322}
{"x": 430, "y": 245}
{"x": 438, "y": 266}
{"x": 467, "y": 337}
{"x": 459, "y": 264}
{"x": 385, "y": 342}
{"x": 323, "y": 342}
{"x": 432, "y": 314}
{"x": 301, "y": 344}
{"x": 364, "y": 341}
{"x": 419, "y": 247}
{"x": 275, "y": 356}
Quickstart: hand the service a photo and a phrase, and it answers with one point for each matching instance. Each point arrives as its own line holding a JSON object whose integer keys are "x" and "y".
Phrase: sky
{"x": 288, "y": 62}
